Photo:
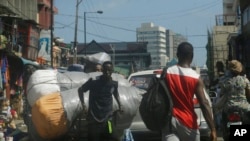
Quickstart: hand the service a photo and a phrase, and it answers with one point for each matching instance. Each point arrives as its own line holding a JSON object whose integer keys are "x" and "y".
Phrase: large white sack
{"x": 71, "y": 79}
{"x": 98, "y": 58}
{"x": 121, "y": 79}
{"x": 42, "y": 76}
{"x": 39, "y": 90}
{"x": 130, "y": 98}
{"x": 72, "y": 105}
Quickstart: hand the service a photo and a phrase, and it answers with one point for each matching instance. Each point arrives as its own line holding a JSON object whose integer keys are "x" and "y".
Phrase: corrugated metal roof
{"x": 5, "y": 11}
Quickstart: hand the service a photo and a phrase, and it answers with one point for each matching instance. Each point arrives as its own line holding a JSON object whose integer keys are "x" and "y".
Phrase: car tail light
{"x": 234, "y": 117}
{"x": 158, "y": 73}
{"x": 196, "y": 102}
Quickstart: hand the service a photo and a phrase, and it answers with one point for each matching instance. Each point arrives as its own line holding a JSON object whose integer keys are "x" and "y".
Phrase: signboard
{"x": 33, "y": 36}
{"x": 44, "y": 47}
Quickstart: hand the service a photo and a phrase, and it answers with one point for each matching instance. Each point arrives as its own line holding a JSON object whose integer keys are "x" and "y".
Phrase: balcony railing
{"x": 225, "y": 19}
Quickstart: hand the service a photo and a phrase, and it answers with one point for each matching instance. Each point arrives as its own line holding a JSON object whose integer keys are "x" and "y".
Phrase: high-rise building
{"x": 156, "y": 38}
{"x": 172, "y": 41}
{"x": 170, "y": 44}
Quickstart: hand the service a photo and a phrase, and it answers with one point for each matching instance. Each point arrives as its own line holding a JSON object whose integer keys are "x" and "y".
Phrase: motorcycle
{"x": 229, "y": 118}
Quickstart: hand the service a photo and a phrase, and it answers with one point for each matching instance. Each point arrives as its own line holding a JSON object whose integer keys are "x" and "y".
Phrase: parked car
{"x": 139, "y": 130}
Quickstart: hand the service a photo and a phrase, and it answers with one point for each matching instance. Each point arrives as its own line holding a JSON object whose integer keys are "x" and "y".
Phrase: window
{"x": 246, "y": 16}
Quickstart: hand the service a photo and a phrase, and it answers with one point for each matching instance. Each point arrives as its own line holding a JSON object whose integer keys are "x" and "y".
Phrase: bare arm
{"x": 83, "y": 88}
{"x": 205, "y": 107}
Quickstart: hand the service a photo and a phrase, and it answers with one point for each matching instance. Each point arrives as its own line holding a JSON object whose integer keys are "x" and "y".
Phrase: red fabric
{"x": 13, "y": 112}
{"x": 182, "y": 83}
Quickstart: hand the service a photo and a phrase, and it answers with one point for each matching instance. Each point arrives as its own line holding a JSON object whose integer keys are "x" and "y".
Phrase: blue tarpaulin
{"x": 76, "y": 67}
{"x": 26, "y": 62}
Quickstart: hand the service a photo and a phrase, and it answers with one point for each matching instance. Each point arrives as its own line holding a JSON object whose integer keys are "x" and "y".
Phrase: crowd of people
{"x": 183, "y": 82}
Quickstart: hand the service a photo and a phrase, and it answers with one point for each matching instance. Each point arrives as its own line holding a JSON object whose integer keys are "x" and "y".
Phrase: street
{"x": 219, "y": 135}
{"x": 22, "y": 127}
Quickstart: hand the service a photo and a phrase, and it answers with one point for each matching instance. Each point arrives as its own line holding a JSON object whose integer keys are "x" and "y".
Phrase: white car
{"x": 139, "y": 130}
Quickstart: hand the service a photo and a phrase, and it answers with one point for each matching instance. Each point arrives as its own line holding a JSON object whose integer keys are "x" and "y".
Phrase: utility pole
{"x": 51, "y": 31}
{"x": 75, "y": 38}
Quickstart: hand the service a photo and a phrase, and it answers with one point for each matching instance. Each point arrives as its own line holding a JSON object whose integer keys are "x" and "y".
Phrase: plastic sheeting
{"x": 42, "y": 76}
{"x": 72, "y": 105}
{"x": 41, "y": 82}
{"x": 76, "y": 67}
{"x": 41, "y": 90}
{"x": 69, "y": 80}
{"x": 98, "y": 58}
{"x": 130, "y": 98}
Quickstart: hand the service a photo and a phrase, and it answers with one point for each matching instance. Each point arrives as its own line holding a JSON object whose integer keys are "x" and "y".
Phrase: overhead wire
{"x": 190, "y": 10}
{"x": 195, "y": 9}
{"x": 111, "y": 26}
{"x": 186, "y": 11}
{"x": 103, "y": 37}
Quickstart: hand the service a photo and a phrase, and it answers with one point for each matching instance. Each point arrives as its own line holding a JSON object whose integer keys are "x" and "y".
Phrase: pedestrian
{"x": 100, "y": 112}
{"x": 235, "y": 91}
{"x": 98, "y": 67}
{"x": 183, "y": 83}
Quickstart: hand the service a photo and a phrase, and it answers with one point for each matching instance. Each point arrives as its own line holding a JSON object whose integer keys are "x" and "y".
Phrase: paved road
{"x": 219, "y": 134}
{"x": 22, "y": 127}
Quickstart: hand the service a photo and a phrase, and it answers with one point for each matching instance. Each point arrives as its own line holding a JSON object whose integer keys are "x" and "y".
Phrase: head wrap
{"x": 235, "y": 66}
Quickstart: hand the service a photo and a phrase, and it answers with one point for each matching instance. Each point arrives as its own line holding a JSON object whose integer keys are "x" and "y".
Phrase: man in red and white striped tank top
{"x": 183, "y": 83}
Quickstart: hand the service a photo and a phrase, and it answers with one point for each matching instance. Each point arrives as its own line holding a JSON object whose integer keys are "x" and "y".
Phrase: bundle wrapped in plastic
{"x": 130, "y": 98}
{"x": 41, "y": 82}
{"x": 98, "y": 58}
{"x": 71, "y": 104}
{"x": 54, "y": 114}
{"x": 48, "y": 116}
{"x": 71, "y": 79}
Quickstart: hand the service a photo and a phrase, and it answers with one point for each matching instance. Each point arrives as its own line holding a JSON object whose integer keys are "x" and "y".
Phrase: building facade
{"x": 21, "y": 22}
{"x": 243, "y": 41}
{"x": 156, "y": 38}
{"x": 170, "y": 44}
{"x": 221, "y": 36}
{"x": 178, "y": 38}
{"x": 172, "y": 41}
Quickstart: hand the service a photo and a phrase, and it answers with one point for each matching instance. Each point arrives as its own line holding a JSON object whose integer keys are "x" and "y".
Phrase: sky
{"x": 120, "y": 18}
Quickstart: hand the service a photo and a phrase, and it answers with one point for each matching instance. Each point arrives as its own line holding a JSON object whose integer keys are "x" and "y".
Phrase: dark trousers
{"x": 100, "y": 131}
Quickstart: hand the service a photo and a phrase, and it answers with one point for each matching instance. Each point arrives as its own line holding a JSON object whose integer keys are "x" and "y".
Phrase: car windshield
{"x": 141, "y": 81}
